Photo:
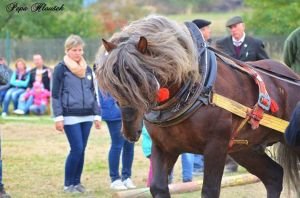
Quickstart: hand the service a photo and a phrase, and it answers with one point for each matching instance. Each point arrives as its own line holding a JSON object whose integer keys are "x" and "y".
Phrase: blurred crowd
{"x": 27, "y": 89}
{"x": 77, "y": 103}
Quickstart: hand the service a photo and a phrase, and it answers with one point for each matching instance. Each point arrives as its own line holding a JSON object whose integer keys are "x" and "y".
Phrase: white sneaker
{"x": 128, "y": 183}
{"x": 4, "y": 114}
{"x": 70, "y": 189}
{"x": 118, "y": 185}
{"x": 80, "y": 188}
{"x": 19, "y": 112}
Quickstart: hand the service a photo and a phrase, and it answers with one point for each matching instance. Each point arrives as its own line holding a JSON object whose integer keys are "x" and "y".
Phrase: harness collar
{"x": 191, "y": 95}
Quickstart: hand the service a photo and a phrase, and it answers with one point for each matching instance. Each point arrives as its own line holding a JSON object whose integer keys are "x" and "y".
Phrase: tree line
{"x": 59, "y": 18}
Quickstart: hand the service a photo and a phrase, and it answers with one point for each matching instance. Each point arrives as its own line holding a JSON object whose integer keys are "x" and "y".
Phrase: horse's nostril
{"x": 139, "y": 132}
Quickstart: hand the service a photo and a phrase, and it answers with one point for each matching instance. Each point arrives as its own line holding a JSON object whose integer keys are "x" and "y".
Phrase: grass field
{"x": 218, "y": 20}
{"x": 34, "y": 156}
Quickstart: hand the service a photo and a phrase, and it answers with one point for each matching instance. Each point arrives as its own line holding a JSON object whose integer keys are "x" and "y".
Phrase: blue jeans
{"x": 77, "y": 135}
{"x": 12, "y": 94}
{"x": 198, "y": 163}
{"x": 25, "y": 104}
{"x": 119, "y": 143}
{"x": 2, "y": 95}
{"x": 38, "y": 109}
{"x": 187, "y": 162}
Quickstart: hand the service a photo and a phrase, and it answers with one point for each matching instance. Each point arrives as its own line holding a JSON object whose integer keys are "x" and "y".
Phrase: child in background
{"x": 187, "y": 160}
{"x": 147, "y": 149}
{"x": 146, "y": 146}
{"x": 40, "y": 98}
{"x": 25, "y": 103}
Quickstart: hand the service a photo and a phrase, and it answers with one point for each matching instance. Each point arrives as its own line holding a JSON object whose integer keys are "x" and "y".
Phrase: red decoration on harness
{"x": 264, "y": 101}
{"x": 274, "y": 106}
{"x": 162, "y": 95}
{"x": 255, "y": 116}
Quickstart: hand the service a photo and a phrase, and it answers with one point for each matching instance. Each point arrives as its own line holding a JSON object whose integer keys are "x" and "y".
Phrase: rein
{"x": 256, "y": 115}
{"x": 266, "y": 72}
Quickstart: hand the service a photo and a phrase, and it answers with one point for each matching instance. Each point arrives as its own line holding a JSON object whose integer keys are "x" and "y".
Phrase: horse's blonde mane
{"x": 128, "y": 74}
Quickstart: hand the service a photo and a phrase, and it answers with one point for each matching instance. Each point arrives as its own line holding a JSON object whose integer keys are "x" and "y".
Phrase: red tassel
{"x": 163, "y": 94}
{"x": 274, "y": 106}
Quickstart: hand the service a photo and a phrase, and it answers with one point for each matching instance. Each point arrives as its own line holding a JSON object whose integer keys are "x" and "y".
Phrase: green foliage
{"x": 273, "y": 17}
{"x": 113, "y": 15}
{"x": 46, "y": 24}
{"x": 193, "y": 6}
{"x": 179, "y": 6}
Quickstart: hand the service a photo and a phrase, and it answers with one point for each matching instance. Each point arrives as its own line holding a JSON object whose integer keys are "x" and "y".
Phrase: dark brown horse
{"x": 155, "y": 52}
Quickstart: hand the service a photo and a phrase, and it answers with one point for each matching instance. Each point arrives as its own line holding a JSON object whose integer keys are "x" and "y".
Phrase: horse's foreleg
{"x": 214, "y": 161}
{"x": 162, "y": 164}
{"x": 266, "y": 169}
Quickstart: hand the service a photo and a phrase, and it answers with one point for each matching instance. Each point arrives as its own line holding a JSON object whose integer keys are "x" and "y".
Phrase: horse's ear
{"x": 108, "y": 45}
{"x": 142, "y": 45}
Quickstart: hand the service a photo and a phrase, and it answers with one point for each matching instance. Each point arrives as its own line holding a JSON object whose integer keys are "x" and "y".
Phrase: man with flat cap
{"x": 204, "y": 28}
{"x": 239, "y": 45}
{"x": 242, "y": 47}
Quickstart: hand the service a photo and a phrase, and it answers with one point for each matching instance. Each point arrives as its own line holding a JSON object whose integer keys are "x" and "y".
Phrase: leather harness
{"x": 191, "y": 96}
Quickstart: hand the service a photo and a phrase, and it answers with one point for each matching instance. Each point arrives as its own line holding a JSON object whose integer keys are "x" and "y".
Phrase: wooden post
{"x": 178, "y": 188}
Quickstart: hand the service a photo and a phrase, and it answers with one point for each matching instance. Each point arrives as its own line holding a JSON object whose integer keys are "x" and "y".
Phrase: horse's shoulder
{"x": 276, "y": 67}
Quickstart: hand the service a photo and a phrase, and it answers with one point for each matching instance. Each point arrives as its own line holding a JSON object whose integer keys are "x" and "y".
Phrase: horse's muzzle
{"x": 135, "y": 137}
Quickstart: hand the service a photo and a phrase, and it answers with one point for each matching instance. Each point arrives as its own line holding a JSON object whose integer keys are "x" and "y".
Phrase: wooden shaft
{"x": 178, "y": 188}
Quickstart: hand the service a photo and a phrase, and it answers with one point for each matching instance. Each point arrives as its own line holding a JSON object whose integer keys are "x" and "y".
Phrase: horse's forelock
{"x": 128, "y": 82}
{"x": 170, "y": 56}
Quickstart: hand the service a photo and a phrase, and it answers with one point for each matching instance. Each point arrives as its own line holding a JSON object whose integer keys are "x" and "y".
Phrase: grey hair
{"x": 129, "y": 75}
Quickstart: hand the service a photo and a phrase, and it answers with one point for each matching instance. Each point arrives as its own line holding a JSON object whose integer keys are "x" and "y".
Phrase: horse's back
{"x": 276, "y": 67}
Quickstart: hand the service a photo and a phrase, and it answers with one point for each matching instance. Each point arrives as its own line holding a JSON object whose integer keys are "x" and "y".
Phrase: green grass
{"x": 45, "y": 119}
{"x": 34, "y": 156}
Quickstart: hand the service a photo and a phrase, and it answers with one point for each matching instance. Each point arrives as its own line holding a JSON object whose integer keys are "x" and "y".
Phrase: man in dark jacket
{"x": 5, "y": 74}
{"x": 291, "y": 50}
{"x": 242, "y": 47}
{"x": 40, "y": 70}
{"x": 239, "y": 45}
